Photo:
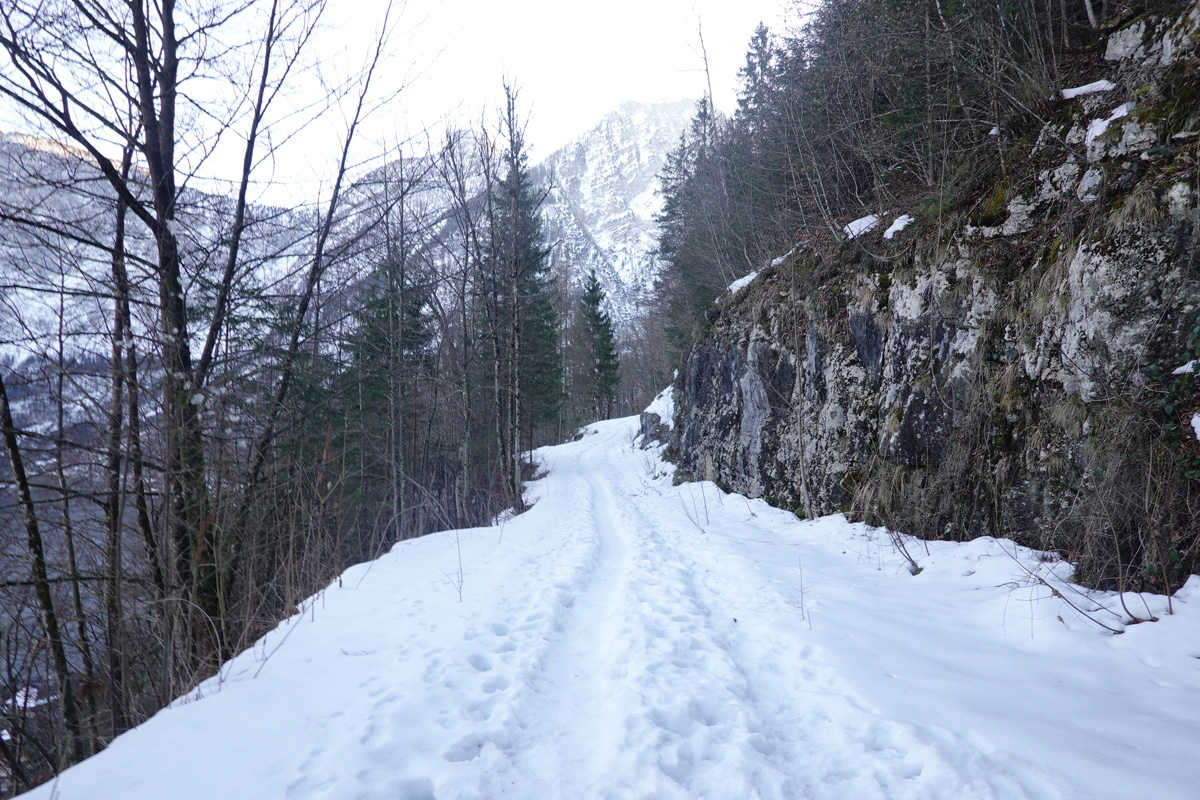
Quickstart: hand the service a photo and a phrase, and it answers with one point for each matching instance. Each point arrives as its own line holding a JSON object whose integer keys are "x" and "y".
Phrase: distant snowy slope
{"x": 57, "y": 223}
{"x": 603, "y": 198}
{"x": 630, "y": 638}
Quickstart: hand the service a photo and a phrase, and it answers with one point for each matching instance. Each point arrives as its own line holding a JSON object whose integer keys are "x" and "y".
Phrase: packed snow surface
{"x": 1089, "y": 88}
{"x": 628, "y": 638}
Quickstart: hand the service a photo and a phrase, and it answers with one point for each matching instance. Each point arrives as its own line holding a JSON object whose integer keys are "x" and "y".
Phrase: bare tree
{"x": 121, "y": 95}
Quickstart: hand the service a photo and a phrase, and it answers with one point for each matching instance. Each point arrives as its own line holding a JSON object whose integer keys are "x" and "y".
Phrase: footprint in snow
{"x": 470, "y": 746}
{"x": 497, "y": 683}
{"x": 481, "y": 710}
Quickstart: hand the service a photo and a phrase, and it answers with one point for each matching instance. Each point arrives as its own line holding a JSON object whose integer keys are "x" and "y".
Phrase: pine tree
{"x": 601, "y": 378}
{"x": 695, "y": 243}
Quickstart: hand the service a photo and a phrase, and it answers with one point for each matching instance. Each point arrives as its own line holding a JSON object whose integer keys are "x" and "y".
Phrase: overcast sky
{"x": 573, "y": 61}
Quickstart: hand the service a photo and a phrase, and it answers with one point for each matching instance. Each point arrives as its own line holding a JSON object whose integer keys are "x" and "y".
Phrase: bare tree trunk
{"x": 89, "y": 672}
{"x": 454, "y": 176}
{"x": 498, "y": 394}
{"x": 316, "y": 270}
{"x": 464, "y": 487}
{"x": 490, "y": 269}
{"x": 187, "y": 511}
{"x": 396, "y": 256}
{"x": 75, "y": 741}
{"x": 114, "y": 501}
{"x": 514, "y": 420}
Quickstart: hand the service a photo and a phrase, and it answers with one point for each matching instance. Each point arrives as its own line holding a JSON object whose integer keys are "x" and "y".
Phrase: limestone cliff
{"x": 999, "y": 367}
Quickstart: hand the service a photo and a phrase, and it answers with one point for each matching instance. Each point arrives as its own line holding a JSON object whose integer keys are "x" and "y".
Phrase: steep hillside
{"x": 1002, "y": 365}
{"x": 600, "y": 210}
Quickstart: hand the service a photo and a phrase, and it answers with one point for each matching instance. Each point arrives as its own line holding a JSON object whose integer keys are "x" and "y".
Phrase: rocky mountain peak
{"x": 603, "y": 196}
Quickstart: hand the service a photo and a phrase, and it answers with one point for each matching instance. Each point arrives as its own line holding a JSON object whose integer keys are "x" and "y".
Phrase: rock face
{"x": 995, "y": 377}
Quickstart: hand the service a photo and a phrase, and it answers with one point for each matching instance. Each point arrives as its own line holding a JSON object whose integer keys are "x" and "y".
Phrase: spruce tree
{"x": 527, "y": 361}
{"x": 601, "y": 379}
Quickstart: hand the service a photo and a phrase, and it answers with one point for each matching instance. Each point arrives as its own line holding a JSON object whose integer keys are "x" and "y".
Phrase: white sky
{"x": 572, "y": 64}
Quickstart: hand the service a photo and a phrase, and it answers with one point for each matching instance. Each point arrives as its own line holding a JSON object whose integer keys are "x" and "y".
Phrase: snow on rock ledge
{"x": 658, "y": 420}
{"x": 742, "y": 283}
{"x": 861, "y": 225}
{"x": 900, "y": 223}
{"x": 1090, "y": 88}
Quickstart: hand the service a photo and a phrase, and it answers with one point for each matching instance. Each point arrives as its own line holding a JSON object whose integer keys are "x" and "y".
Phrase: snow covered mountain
{"x": 603, "y": 196}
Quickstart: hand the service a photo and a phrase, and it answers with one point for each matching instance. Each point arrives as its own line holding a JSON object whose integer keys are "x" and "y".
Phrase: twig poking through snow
{"x": 458, "y": 585}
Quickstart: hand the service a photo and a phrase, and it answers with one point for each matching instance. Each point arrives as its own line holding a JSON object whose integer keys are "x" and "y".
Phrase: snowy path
{"x": 627, "y": 638}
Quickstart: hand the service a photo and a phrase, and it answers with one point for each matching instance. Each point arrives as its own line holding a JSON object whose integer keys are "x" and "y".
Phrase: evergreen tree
{"x": 601, "y": 378}
{"x": 693, "y": 272}
{"x": 524, "y": 323}
{"x": 391, "y": 354}
{"x": 758, "y": 77}
{"x": 541, "y": 361}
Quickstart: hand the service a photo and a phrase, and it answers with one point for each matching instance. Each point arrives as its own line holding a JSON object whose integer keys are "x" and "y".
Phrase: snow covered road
{"x": 627, "y": 638}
